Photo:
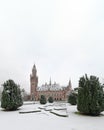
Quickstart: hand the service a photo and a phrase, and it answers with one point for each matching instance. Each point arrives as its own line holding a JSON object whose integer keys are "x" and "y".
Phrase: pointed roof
{"x": 50, "y": 81}
{"x": 70, "y": 85}
{"x": 34, "y": 71}
{"x": 34, "y": 66}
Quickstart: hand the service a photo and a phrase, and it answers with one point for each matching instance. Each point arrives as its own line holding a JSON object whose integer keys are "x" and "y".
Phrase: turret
{"x": 69, "y": 87}
{"x": 50, "y": 83}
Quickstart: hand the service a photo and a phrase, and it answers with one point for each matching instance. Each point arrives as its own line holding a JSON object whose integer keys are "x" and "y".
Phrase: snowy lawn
{"x": 45, "y": 120}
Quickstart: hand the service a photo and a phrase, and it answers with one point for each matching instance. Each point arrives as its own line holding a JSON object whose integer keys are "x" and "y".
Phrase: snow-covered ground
{"x": 45, "y": 120}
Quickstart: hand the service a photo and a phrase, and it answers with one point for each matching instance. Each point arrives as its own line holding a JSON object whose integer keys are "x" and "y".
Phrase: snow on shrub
{"x": 90, "y": 96}
{"x": 72, "y": 98}
{"x": 43, "y": 99}
{"x": 11, "y": 96}
{"x": 50, "y": 99}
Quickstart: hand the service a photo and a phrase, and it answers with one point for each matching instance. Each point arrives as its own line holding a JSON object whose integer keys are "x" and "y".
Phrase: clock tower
{"x": 33, "y": 83}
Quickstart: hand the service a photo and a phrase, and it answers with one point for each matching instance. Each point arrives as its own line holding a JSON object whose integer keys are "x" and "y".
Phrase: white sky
{"x": 64, "y": 38}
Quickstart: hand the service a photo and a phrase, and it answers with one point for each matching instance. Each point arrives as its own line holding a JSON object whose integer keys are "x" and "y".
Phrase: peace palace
{"x": 54, "y": 90}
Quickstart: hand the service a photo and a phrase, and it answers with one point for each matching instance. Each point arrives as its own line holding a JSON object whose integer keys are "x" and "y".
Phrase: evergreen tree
{"x": 50, "y": 99}
{"x": 90, "y": 96}
{"x": 43, "y": 99}
{"x": 11, "y": 96}
{"x": 72, "y": 98}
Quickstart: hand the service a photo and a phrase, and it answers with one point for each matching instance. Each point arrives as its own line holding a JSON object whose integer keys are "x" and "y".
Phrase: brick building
{"x": 55, "y": 90}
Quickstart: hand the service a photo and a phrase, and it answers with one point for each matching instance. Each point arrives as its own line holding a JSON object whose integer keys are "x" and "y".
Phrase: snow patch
{"x": 60, "y": 113}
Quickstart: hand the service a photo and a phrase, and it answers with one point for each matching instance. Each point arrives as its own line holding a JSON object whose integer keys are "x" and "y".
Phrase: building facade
{"x": 54, "y": 90}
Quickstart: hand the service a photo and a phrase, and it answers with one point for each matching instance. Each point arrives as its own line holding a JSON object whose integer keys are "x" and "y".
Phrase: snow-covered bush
{"x": 72, "y": 98}
{"x": 11, "y": 96}
{"x": 90, "y": 96}
{"x": 50, "y": 99}
{"x": 43, "y": 99}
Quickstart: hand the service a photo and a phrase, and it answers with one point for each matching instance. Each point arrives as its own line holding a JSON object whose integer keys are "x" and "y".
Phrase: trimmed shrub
{"x": 72, "y": 98}
{"x": 11, "y": 96}
{"x": 90, "y": 96}
{"x": 50, "y": 99}
{"x": 43, "y": 99}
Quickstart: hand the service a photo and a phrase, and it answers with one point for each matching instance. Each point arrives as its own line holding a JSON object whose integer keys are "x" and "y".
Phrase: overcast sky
{"x": 64, "y": 38}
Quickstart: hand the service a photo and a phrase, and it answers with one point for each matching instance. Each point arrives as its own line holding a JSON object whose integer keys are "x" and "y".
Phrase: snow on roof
{"x": 52, "y": 87}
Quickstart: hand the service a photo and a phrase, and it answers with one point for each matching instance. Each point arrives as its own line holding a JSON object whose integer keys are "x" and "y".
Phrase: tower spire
{"x": 50, "y": 83}
{"x": 69, "y": 85}
{"x": 34, "y": 71}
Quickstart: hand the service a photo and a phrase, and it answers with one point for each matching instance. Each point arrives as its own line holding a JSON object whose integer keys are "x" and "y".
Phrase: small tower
{"x": 33, "y": 83}
{"x": 68, "y": 89}
{"x": 50, "y": 83}
{"x": 69, "y": 85}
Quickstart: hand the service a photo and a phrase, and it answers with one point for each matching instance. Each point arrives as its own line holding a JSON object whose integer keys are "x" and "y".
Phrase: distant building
{"x": 55, "y": 90}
